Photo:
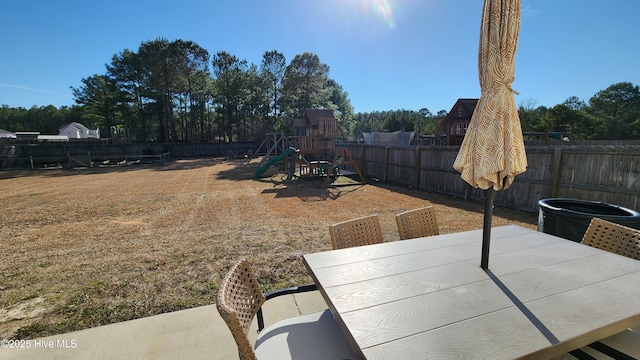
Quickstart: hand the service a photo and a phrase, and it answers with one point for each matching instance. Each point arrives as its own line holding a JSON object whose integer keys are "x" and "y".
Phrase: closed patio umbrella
{"x": 492, "y": 152}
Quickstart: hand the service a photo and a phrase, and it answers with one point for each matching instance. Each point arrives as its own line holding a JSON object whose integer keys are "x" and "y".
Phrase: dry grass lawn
{"x": 88, "y": 247}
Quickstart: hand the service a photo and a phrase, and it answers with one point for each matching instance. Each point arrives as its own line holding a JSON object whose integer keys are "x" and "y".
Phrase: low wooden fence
{"x": 37, "y": 154}
{"x": 597, "y": 173}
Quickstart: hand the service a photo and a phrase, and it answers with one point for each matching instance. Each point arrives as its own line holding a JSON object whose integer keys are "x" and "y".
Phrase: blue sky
{"x": 386, "y": 54}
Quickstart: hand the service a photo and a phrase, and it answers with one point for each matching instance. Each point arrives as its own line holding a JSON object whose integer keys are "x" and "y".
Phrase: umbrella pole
{"x": 489, "y": 195}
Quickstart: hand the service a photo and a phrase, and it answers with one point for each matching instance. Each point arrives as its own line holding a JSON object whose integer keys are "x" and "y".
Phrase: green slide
{"x": 272, "y": 161}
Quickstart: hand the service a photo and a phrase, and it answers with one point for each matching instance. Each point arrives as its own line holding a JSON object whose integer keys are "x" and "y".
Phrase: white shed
{"x": 76, "y": 130}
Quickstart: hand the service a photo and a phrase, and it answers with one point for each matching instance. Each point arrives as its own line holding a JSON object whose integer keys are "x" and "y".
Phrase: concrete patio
{"x": 198, "y": 333}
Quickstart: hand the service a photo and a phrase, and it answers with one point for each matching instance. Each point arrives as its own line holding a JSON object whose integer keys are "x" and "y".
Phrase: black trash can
{"x": 570, "y": 218}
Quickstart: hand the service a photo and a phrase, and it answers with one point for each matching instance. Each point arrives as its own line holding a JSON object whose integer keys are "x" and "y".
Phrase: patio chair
{"x": 625, "y": 241}
{"x": 356, "y": 232}
{"x": 612, "y": 237}
{"x": 312, "y": 336}
{"x": 417, "y": 223}
{"x": 622, "y": 346}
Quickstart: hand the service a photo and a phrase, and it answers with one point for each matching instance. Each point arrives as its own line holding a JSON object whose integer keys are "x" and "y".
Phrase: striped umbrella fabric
{"x": 492, "y": 152}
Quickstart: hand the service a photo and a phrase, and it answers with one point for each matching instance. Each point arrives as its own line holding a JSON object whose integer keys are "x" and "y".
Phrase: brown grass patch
{"x": 88, "y": 247}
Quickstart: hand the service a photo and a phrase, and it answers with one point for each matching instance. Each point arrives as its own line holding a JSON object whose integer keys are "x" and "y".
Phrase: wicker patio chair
{"x": 417, "y": 223}
{"x": 356, "y": 232}
{"x": 612, "y": 237}
{"x": 312, "y": 336}
{"x": 625, "y": 241}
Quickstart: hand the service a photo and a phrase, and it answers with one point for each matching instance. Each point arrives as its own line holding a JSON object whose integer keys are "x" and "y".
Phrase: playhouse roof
{"x": 313, "y": 115}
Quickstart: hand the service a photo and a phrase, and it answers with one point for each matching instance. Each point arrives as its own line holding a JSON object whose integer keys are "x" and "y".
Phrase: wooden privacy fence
{"x": 36, "y": 154}
{"x": 596, "y": 173}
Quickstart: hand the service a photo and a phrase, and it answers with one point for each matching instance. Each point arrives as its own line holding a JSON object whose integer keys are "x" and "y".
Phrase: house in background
{"x": 27, "y": 135}
{"x": 53, "y": 137}
{"x": 76, "y": 130}
{"x": 7, "y": 134}
{"x": 456, "y": 123}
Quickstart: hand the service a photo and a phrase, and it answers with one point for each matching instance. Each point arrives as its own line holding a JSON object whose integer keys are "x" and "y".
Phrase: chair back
{"x": 612, "y": 237}
{"x": 417, "y": 223}
{"x": 356, "y": 232}
{"x": 239, "y": 299}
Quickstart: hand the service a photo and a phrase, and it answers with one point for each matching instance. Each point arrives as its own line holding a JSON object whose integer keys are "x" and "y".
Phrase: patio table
{"x": 428, "y": 297}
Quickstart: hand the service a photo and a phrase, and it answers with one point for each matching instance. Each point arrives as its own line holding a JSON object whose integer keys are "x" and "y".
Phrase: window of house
{"x": 457, "y": 128}
{"x": 465, "y": 127}
{"x": 460, "y": 111}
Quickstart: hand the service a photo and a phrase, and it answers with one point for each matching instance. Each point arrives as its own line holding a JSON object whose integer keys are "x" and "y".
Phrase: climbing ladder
{"x": 274, "y": 144}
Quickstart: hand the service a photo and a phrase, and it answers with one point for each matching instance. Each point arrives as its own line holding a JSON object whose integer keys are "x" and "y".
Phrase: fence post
{"x": 417, "y": 165}
{"x": 555, "y": 172}
{"x": 362, "y": 159}
{"x": 386, "y": 163}
{"x": 468, "y": 191}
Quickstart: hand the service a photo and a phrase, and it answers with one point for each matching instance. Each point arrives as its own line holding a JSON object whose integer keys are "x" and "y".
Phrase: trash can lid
{"x": 584, "y": 208}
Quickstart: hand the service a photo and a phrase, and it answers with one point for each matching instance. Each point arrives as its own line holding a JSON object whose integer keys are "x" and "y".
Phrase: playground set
{"x": 314, "y": 151}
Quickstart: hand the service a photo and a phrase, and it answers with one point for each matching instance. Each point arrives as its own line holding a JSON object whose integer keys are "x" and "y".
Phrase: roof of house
{"x": 7, "y": 134}
{"x": 467, "y": 106}
{"x": 76, "y": 125}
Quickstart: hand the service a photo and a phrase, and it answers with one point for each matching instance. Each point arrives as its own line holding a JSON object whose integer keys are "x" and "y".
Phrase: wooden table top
{"x": 428, "y": 298}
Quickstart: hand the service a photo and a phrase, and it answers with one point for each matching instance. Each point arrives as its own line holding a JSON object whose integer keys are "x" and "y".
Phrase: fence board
{"x": 597, "y": 173}
{"x": 401, "y": 165}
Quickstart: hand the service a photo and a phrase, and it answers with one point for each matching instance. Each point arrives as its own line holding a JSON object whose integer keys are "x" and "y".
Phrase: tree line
{"x": 421, "y": 121}
{"x": 174, "y": 91}
{"x": 611, "y": 114}
{"x": 170, "y": 91}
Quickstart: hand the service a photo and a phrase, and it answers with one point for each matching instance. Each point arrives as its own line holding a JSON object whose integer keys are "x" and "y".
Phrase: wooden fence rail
{"x": 597, "y": 173}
